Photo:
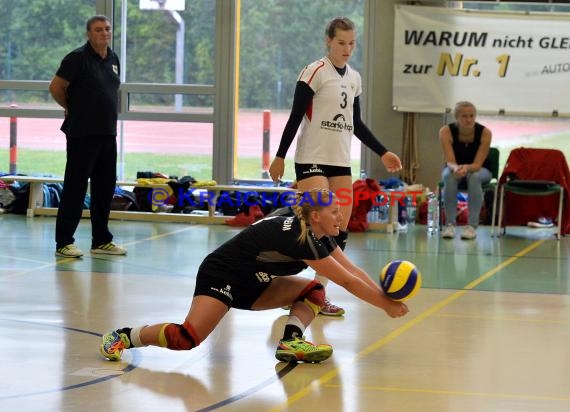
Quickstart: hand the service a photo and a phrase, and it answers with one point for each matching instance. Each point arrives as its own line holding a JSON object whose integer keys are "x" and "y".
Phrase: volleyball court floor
{"x": 489, "y": 330}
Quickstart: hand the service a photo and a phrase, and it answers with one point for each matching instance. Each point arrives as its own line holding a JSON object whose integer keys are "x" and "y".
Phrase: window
{"x": 167, "y": 60}
{"x": 31, "y": 49}
{"x": 277, "y": 39}
{"x": 167, "y": 124}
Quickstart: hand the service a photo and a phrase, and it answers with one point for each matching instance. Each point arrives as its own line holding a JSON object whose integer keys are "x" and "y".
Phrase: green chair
{"x": 493, "y": 158}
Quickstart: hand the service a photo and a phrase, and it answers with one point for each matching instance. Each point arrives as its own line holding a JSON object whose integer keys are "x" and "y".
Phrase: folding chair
{"x": 533, "y": 173}
{"x": 532, "y": 188}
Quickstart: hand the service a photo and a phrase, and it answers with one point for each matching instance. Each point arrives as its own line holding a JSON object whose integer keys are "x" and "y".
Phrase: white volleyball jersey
{"x": 327, "y": 127}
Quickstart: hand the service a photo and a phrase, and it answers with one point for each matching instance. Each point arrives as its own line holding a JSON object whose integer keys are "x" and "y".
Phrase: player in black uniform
{"x": 252, "y": 271}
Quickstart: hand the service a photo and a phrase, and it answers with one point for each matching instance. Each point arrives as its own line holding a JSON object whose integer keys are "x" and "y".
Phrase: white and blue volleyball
{"x": 400, "y": 280}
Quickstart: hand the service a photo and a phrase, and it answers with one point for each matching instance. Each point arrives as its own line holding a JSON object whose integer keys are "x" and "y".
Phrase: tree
{"x": 278, "y": 38}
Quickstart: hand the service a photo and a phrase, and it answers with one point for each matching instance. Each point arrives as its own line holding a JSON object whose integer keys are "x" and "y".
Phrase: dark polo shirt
{"x": 92, "y": 95}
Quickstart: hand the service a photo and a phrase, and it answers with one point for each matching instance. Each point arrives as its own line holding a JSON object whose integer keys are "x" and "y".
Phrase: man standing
{"x": 86, "y": 86}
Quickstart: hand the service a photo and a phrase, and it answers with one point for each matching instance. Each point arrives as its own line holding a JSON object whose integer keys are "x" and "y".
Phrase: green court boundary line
{"x": 405, "y": 327}
{"x": 60, "y": 260}
{"x": 499, "y": 318}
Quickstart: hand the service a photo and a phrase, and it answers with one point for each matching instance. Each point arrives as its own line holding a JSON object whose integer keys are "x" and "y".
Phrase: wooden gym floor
{"x": 489, "y": 331}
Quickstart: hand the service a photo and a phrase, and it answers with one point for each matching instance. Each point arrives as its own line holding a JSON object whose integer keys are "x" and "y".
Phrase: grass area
{"x": 47, "y": 162}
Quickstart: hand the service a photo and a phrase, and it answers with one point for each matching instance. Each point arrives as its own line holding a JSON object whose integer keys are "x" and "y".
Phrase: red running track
{"x": 196, "y": 138}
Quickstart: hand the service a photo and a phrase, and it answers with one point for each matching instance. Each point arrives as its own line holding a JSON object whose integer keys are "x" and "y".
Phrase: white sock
{"x": 295, "y": 321}
{"x": 136, "y": 336}
{"x": 322, "y": 280}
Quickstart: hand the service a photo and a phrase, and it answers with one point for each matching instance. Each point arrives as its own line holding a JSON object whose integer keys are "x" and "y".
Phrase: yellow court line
{"x": 405, "y": 327}
{"x": 459, "y": 393}
{"x": 506, "y": 263}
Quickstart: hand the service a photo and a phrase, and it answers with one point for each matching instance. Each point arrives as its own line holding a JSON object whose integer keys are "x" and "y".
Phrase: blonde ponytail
{"x": 307, "y": 202}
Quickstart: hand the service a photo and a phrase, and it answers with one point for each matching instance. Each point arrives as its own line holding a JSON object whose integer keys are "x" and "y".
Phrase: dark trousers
{"x": 95, "y": 158}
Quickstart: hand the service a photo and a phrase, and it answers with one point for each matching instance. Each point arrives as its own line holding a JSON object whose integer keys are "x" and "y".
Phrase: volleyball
{"x": 400, "y": 280}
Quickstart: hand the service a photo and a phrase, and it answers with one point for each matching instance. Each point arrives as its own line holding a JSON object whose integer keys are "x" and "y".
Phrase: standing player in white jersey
{"x": 326, "y": 109}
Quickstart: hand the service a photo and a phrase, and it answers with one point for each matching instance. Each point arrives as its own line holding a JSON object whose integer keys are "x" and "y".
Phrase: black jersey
{"x": 270, "y": 246}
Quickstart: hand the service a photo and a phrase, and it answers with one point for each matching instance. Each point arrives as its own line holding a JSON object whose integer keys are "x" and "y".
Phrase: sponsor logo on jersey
{"x": 337, "y": 124}
{"x": 225, "y": 291}
{"x": 264, "y": 277}
{"x": 314, "y": 169}
{"x": 287, "y": 223}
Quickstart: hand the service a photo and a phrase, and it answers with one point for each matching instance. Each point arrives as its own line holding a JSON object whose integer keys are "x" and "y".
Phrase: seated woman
{"x": 253, "y": 271}
{"x": 465, "y": 145}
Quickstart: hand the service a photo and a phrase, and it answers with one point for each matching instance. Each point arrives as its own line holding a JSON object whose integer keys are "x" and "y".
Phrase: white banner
{"x": 502, "y": 62}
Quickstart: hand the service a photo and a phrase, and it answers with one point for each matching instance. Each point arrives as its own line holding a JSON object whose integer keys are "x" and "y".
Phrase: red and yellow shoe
{"x": 331, "y": 310}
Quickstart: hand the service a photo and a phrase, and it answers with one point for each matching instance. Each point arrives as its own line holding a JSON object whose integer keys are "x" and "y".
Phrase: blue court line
{"x": 282, "y": 373}
{"x": 134, "y": 364}
{"x": 131, "y": 366}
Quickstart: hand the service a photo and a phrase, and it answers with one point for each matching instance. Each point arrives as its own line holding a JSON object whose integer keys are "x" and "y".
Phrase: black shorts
{"x": 240, "y": 292}
{"x": 306, "y": 170}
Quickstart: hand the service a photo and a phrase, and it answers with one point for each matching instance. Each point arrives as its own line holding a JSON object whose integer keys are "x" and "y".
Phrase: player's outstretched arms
{"x": 363, "y": 290}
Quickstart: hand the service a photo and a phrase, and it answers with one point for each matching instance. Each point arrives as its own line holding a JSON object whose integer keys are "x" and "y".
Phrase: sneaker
{"x": 109, "y": 249}
{"x": 543, "y": 222}
{"x": 300, "y": 350}
{"x": 112, "y": 345}
{"x": 331, "y": 310}
{"x": 70, "y": 251}
{"x": 449, "y": 231}
{"x": 469, "y": 233}
{"x": 546, "y": 221}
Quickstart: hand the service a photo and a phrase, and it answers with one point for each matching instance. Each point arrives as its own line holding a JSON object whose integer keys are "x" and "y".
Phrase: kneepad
{"x": 178, "y": 337}
{"x": 313, "y": 296}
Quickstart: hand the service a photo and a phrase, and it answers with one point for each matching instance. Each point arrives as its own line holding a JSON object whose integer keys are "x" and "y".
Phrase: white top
{"x": 327, "y": 127}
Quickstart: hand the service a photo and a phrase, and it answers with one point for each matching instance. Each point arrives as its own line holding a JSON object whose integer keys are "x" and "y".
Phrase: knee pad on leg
{"x": 178, "y": 337}
{"x": 313, "y": 296}
{"x": 340, "y": 239}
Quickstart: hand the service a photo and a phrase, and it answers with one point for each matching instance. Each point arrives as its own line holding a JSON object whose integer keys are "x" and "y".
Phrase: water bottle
{"x": 393, "y": 212}
{"x": 363, "y": 174}
{"x": 432, "y": 213}
{"x": 412, "y": 209}
{"x": 403, "y": 211}
{"x": 382, "y": 209}
{"x": 372, "y": 216}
